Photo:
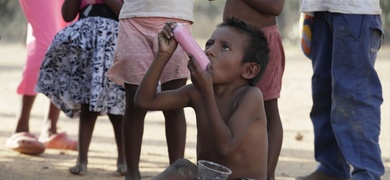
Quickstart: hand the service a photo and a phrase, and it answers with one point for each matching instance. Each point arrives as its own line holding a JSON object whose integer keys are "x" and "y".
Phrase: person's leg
{"x": 133, "y": 129}
{"x": 49, "y": 135}
{"x": 24, "y": 117}
{"x": 326, "y": 150}
{"x": 275, "y": 135}
{"x": 49, "y": 127}
{"x": 182, "y": 169}
{"x": 87, "y": 124}
{"x": 357, "y": 93}
{"x": 22, "y": 141}
{"x": 117, "y": 123}
{"x": 175, "y": 125}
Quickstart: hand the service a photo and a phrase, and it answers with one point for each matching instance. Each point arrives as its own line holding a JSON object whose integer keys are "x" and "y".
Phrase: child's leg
{"x": 175, "y": 125}
{"x": 23, "y": 121}
{"x": 275, "y": 136}
{"x": 117, "y": 121}
{"x": 181, "y": 169}
{"x": 49, "y": 135}
{"x": 50, "y": 122}
{"x": 87, "y": 124}
{"x": 133, "y": 129}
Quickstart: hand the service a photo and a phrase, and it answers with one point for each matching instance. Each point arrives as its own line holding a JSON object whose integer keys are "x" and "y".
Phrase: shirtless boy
{"x": 230, "y": 115}
{"x": 262, "y": 14}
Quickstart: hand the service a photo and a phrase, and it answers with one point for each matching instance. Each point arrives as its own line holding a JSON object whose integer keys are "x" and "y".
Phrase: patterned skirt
{"x": 73, "y": 71}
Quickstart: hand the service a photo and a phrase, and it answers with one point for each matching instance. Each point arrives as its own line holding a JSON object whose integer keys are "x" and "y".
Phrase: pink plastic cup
{"x": 187, "y": 42}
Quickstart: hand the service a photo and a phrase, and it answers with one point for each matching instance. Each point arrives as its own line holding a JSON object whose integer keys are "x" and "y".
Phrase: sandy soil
{"x": 296, "y": 157}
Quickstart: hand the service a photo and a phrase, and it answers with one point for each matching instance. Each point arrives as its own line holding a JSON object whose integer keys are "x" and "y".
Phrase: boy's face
{"x": 225, "y": 50}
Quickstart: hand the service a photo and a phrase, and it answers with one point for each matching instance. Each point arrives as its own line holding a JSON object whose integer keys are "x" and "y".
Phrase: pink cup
{"x": 187, "y": 42}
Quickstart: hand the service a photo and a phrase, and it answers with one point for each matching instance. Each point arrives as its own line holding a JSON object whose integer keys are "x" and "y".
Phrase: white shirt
{"x": 179, "y": 9}
{"x": 342, "y": 6}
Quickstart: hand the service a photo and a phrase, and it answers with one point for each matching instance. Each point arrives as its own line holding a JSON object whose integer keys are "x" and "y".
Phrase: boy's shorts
{"x": 270, "y": 83}
{"x": 136, "y": 48}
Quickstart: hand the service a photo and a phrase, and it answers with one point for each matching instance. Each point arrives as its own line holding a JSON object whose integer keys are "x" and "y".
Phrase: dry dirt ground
{"x": 296, "y": 157}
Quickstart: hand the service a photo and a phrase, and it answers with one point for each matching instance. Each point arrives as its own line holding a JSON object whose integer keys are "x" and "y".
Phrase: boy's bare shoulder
{"x": 253, "y": 93}
{"x": 248, "y": 99}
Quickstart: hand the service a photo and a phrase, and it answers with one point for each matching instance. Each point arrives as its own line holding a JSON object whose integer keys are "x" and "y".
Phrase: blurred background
{"x": 207, "y": 15}
{"x": 295, "y": 105}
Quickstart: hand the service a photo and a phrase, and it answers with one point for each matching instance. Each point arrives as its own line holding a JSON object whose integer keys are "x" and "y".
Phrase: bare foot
{"x": 120, "y": 171}
{"x": 79, "y": 169}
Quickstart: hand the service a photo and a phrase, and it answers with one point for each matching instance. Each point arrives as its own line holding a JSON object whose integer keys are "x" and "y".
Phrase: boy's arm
{"x": 114, "y": 5}
{"x": 271, "y": 7}
{"x": 70, "y": 9}
{"x": 146, "y": 96}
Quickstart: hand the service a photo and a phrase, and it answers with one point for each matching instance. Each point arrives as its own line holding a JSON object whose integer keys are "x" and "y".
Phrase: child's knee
{"x": 180, "y": 169}
{"x": 185, "y": 164}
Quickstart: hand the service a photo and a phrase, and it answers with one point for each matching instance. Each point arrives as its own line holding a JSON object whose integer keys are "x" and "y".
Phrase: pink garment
{"x": 135, "y": 50}
{"x": 46, "y": 20}
{"x": 270, "y": 83}
{"x": 188, "y": 43}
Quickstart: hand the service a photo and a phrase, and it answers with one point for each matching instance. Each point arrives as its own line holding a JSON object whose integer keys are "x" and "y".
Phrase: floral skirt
{"x": 73, "y": 71}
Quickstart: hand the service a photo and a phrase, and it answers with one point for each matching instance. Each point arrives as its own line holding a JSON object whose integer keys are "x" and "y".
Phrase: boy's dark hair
{"x": 257, "y": 50}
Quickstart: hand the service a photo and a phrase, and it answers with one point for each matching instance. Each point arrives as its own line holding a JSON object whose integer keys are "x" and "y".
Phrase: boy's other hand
{"x": 201, "y": 79}
{"x": 166, "y": 43}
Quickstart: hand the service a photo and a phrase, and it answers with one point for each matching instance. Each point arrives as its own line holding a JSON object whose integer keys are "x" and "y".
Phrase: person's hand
{"x": 166, "y": 41}
{"x": 201, "y": 79}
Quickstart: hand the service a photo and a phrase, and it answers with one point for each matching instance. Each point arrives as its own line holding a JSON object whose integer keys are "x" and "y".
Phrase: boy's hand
{"x": 166, "y": 43}
{"x": 201, "y": 79}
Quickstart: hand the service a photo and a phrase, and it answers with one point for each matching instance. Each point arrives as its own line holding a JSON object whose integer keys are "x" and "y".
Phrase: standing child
{"x": 72, "y": 74}
{"x": 346, "y": 89}
{"x": 230, "y": 115}
{"x": 44, "y": 21}
{"x": 263, "y": 15}
{"x": 140, "y": 22}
